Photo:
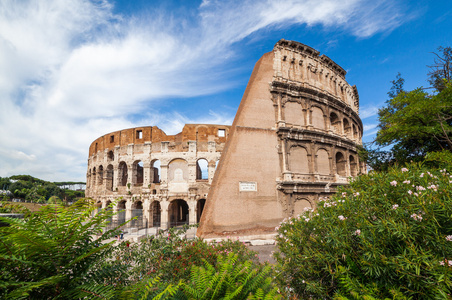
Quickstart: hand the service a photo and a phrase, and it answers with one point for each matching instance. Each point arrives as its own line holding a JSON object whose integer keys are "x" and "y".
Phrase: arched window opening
{"x": 99, "y": 206}
{"x": 178, "y": 213}
{"x": 353, "y": 166}
{"x": 199, "y": 209}
{"x": 100, "y": 180}
{"x": 138, "y": 173}
{"x": 110, "y": 156}
{"x": 122, "y": 211}
{"x": 355, "y": 132}
{"x": 109, "y": 178}
{"x": 335, "y": 123}
{"x": 347, "y": 128}
{"x": 155, "y": 171}
{"x": 94, "y": 177}
{"x": 137, "y": 213}
{"x": 318, "y": 121}
{"x": 298, "y": 160}
{"x": 156, "y": 214}
{"x": 202, "y": 167}
{"x": 300, "y": 205}
{"x": 122, "y": 174}
{"x": 340, "y": 164}
{"x": 322, "y": 162}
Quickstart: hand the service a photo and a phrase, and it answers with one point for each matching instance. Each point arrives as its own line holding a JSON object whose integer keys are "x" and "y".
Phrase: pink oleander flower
{"x": 410, "y": 192}
{"x": 395, "y": 206}
{"x": 441, "y": 262}
{"x": 404, "y": 170}
{"x": 407, "y": 182}
{"x": 416, "y": 217}
{"x": 342, "y": 218}
{"x": 449, "y": 238}
{"x": 357, "y": 232}
{"x": 394, "y": 183}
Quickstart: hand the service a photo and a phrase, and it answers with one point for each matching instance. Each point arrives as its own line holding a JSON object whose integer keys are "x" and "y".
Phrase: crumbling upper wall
{"x": 201, "y": 133}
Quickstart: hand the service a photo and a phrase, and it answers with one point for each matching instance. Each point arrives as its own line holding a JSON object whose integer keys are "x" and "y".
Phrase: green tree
{"x": 58, "y": 253}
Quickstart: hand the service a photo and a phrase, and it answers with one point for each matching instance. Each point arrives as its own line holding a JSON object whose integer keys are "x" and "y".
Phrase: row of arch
{"x": 299, "y": 162}
{"x": 96, "y": 176}
{"x": 178, "y": 213}
{"x": 294, "y": 114}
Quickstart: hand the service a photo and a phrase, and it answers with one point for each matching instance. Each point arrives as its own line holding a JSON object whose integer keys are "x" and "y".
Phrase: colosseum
{"x": 294, "y": 139}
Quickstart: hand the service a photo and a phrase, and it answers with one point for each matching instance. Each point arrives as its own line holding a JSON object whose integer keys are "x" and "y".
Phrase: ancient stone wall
{"x": 162, "y": 178}
{"x": 294, "y": 139}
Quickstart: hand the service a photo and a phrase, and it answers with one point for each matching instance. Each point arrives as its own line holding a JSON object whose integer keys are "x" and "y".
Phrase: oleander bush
{"x": 386, "y": 235}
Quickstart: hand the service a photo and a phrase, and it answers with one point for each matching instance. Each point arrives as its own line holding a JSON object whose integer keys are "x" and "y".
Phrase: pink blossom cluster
{"x": 407, "y": 182}
{"x": 449, "y": 262}
{"x": 395, "y": 206}
{"x": 357, "y": 232}
{"x": 393, "y": 183}
{"x": 404, "y": 170}
{"x": 416, "y": 217}
{"x": 449, "y": 238}
{"x": 342, "y": 218}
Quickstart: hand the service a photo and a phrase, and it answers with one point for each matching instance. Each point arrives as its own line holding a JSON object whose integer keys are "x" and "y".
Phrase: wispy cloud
{"x": 72, "y": 70}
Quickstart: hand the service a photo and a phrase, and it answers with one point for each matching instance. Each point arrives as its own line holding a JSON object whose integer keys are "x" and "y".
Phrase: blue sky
{"x": 73, "y": 70}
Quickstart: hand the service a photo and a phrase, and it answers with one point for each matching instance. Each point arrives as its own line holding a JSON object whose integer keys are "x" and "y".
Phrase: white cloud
{"x": 71, "y": 70}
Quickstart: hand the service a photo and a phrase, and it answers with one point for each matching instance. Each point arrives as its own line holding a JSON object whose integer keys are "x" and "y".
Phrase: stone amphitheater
{"x": 294, "y": 139}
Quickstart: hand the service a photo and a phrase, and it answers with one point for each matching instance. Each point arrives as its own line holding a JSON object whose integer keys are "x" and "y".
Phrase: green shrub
{"x": 387, "y": 235}
{"x": 58, "y": 253}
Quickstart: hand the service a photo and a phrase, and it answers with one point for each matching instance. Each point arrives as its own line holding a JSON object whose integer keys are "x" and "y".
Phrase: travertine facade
{"x": 163, "y": 178}
{"x": 294, "y": 139}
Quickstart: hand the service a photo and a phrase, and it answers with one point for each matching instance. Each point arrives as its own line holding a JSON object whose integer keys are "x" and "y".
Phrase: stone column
{"x": 115, "y": 177}
{"x": 192, "y": 211}
{"x": 147, "y": 174}
{"x": 129, "y": 211}
{"x": 164, "y": 213}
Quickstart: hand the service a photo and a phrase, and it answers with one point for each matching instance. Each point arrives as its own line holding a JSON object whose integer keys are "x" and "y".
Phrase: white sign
{"x": 247, "y": 186}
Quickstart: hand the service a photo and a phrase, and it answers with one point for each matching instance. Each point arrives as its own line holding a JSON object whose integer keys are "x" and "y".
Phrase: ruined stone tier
{"x": 151, "y": 170}
{"x": 300, "y": 67}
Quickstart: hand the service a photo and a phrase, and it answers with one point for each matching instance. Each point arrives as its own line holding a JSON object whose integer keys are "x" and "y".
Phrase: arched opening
{"x": 317, "y": 118}
{"x": 122, "y": 174}
{"x": 99, "y": 206}
{"x": 138, "y": 173}
{"x": 353, "y": 166}
{"x": 347, "y": 128}
{"x": 93, "y": 184}
{"x": 299, "y": 160}
{"x": 199, "y": 208}
{"x": 178, "y": 171}
{"x": 335, "y": 123}
{"x": 340, "y": 164}
{"x": 110, "y": 156}
{"x": 122, "y": 211}
{"x": 100, "y": 179}
{"x": 109, "y": 178}
{"x": 137, "y": 211}
{"x": 323, "y": 162}
{"x": 202, "y": 167}
{"x": 355, "y": 132}
{"x": 156, "y": 214}
{"x": 300, "y": 205}
{"x": 178, "y": 213}
{"x": 155, "y": 171}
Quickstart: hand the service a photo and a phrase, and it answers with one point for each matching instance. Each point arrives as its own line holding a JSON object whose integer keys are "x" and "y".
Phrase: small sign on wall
{"x": 247, "y": 186}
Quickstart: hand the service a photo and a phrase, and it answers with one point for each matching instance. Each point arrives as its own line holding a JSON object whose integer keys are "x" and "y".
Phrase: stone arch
{"x": 202, "y": 169}
{"x": 137, "y": 173}
{"x": 322, "y": 162}
{"x": 122, "y": 174}
{"x": 109, "y": 178}
{"x": 335, "y": 123}
{"x": 155, "y": 171}
{"x": 317, "y": 117}
{"x": 293, "y": 112}
{"x": 300, "y": 204}
{"x": 199, "y": 209}
{"x": 137, "y": 211}
{"x": 355, "y": 131}
{"x": 341, "y": 164}
{"x": 100, "y": 174}
{"x": 353, "y": 166}
{"x": 99, "y": 205}
{"x": 298, "y": 160}
{"x": 121, "y": 207}
{"x": 347, "y": 128}
{"x": 178, "y": 213}
{"x": 110, "y": 156}
{"x": 93, "y": 177}
{"x": 156, "y": 212}
{"x": 178, "y": 170}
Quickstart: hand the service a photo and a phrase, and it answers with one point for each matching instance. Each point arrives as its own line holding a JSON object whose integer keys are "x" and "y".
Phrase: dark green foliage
{"x": 387, "y": 235}
{"x": 57, "y": 253}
